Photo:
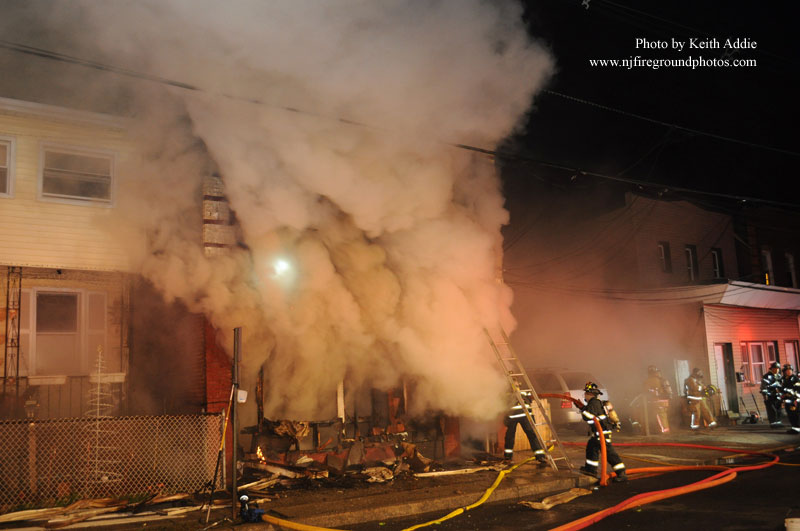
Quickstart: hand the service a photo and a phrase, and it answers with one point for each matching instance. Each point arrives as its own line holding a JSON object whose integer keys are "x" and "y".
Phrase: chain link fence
{"x": 55, "y": 461}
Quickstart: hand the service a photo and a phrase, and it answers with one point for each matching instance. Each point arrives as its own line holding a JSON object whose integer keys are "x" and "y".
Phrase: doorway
{"x": 726, "y": 376}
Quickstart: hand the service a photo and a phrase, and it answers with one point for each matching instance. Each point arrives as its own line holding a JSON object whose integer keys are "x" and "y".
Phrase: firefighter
{"x": 696, "y": 401}
{"x": 594, "y": 410}
{"x": 516, "y": 417}
{"x": 771, "y": 388}
{"x": 791, "y": 394}
{"x": 658, "y": 392}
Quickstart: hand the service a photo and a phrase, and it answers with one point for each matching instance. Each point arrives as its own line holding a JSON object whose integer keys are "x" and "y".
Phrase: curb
{"x": 388, "y": 506}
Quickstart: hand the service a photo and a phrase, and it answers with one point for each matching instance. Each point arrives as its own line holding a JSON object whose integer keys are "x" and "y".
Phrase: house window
{"x": 691, "y": 262}
{"x": 716, "y": 263}
{"x": 756, "y": 357}
{"x": 664, "y": 257}
{"x": 61, "y": 330}
{"x": 766, "y": 266}
{"x": 791, "y": 274}
{"x": 6, "y": 165}
{"x": 792, "y": 353}
{"x": 76, "y": 175}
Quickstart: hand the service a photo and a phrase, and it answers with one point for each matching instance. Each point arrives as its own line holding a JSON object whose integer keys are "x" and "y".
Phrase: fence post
{"x": 32, "y": 476}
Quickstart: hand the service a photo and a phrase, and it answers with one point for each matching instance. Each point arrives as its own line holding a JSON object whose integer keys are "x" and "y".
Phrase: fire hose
{"x": 725, "y": 475}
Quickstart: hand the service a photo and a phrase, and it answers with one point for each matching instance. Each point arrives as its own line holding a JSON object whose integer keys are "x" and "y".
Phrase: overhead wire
{"x": 57, "y": 56}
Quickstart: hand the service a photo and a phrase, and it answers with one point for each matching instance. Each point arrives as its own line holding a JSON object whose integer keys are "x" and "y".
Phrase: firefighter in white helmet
{"x": 696, "y": 398}
{"x": 594, "y": 409}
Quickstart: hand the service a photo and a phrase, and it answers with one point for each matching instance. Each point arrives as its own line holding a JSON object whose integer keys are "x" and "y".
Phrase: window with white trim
{"x": 756, "y": 357}
{"x": 691, "y": 262}
{"x": 6, "y": 166}
{"x": 76, "y": 175}
{"x": 717, "y": 266}
{"x": 61, "y": 330}
{"x": 792, "y": 353}
{"x": 664, "y": 257}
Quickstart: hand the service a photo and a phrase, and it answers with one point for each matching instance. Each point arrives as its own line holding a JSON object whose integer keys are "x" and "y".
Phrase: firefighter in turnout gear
{"x": 696, "y": 399}
{"x": 659, "y": 393}
{"x": 594, "y": 410}
{"x": 516, "y": 417}
{"x": 791, "y": 394}
{"x": 772, "y": 388}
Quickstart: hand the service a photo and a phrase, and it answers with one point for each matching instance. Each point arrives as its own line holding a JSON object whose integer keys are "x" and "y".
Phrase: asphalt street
{"x": 757, "y": 500}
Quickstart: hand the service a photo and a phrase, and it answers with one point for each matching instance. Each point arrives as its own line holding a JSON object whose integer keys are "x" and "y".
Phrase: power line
{"x": 668, "y": 124}
{"x": 56, "y": 56}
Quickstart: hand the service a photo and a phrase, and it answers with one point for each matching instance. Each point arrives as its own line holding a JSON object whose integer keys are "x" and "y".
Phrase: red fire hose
{"x": 725, "y": 474}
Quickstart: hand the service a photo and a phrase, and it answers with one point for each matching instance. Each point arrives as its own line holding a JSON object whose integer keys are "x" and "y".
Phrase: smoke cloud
{"x": 331, "y": 126}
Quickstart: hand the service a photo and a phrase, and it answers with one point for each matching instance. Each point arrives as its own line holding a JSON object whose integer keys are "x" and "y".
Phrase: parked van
{"x": 566, "y": 382}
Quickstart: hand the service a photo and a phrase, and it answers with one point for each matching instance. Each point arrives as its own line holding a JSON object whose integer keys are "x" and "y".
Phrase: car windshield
{"x": 546, "y": 381}
{"x": 577, "y": 380}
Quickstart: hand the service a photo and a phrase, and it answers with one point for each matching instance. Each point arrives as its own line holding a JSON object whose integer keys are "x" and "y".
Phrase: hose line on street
{"x": 482, "y": 499}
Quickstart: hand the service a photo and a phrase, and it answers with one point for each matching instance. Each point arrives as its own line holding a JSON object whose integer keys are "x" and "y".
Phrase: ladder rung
{"x": 514, "y": 374}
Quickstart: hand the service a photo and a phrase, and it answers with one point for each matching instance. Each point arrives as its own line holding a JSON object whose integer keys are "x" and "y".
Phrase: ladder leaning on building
{"x": 521, "y": 385}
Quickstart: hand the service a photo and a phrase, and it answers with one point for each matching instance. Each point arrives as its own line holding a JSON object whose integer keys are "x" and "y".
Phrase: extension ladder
{"x": 521, "y": 384}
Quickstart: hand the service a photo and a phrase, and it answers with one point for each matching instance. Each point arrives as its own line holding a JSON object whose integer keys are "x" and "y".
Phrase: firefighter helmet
{"x": 652, "y": 369}
{"x": 697, "y": 373}
{"x": 774, "y": 365}
{"x": 592, "y": 388}
{"x": 788, "y": 367}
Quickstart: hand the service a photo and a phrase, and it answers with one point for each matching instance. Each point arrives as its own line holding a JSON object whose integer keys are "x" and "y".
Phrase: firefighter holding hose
{"x": 791, "y": 394}
{"x": 594, "y": 409}
{"x": 771, "y": 388}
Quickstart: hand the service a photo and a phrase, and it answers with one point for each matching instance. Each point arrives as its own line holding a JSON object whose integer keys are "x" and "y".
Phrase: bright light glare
{"x": 281, "y": 267}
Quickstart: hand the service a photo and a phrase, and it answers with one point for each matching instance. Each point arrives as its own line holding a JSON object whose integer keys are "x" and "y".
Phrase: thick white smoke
{"x": 392, "y": 234}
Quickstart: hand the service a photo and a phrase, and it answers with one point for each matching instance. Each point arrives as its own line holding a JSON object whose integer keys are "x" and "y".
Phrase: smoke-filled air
{"x": 368, "y": 244}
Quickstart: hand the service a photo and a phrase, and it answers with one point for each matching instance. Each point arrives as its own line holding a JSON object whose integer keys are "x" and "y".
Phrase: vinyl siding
{"x": 729, "y": 324}
{"x": 43, "y": 233}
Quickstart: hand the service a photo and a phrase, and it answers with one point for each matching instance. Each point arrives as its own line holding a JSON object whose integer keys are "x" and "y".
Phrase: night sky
{"x": 755, "y": 104}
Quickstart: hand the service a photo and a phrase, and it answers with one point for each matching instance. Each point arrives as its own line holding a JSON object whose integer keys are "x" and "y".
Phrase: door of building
{"x": 726, "y": 376}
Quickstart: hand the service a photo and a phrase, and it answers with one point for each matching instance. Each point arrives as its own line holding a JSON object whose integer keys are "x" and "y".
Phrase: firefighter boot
{"x": 621, "y": 477}
{"x": 589, "y": 470}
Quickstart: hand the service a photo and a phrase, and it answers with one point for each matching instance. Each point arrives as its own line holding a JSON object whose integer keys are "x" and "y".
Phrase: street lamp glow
{"x": 281, "y": 267}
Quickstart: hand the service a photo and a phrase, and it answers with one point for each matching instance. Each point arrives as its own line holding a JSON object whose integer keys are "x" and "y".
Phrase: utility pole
{"x": 237, "y": 357}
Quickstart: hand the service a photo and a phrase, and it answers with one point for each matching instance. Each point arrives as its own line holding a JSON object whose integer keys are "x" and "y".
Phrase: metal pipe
{"x": 237, "y": 356}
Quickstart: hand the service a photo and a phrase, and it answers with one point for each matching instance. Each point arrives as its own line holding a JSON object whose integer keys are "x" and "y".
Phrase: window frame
{"x": 790, "y": 268}
{"x": 767, "y": 349}
{"x": 11, "y": 151}
{"x": 86, "y": 353}
{"x": 717, "y": 265}
{"x": 665, "y": 257}
{"x": 766, "y": 264}
{"x": 67, "y": 149}
{"x": 692, "y": 269}
{"x": 792, "y": 358}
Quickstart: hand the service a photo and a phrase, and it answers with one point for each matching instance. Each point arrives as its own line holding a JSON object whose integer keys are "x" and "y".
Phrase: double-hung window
{"x": 691, "y": 262}
{"x": 716, "y": 263}
{"x": 756, "y": 357}
{"x": 76, "y": 175}
{"x": 6, "y": 166}
{"x": 664, "y": 258}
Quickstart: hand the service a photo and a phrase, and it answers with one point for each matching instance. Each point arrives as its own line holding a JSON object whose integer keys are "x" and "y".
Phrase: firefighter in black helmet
{"x": 791, "y": 394}
{"x": 517, "y": 417}
{"x": 594, "y": 410}
{"x": 771, "y": 389}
